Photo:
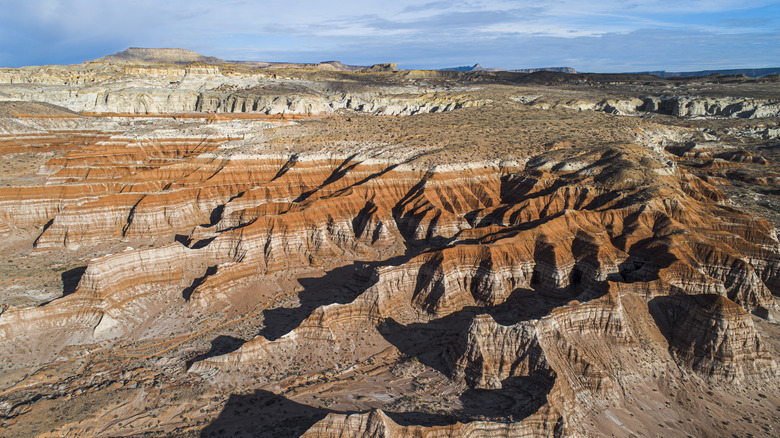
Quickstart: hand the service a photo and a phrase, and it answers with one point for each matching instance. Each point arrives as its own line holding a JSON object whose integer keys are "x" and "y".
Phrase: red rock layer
{"x": 594, "y": 228}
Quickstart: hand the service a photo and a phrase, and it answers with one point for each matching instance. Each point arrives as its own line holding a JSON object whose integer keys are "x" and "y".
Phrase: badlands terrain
{"x": 198, "y": 248}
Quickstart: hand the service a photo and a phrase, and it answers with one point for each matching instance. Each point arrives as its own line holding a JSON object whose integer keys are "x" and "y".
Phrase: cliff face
{"x": 730, "y": 339}
{"x": 169, "y": 88}
{"x": 680, "y": 106}
{"x": 242, "y": 274}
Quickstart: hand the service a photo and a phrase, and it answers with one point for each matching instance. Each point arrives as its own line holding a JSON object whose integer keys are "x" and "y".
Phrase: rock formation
{"x": 440, "y": 272}
{"x": 158, "y": 56}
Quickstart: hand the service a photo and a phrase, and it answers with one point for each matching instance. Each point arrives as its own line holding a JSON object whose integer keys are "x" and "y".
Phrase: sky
{"x": 589, "y": 36}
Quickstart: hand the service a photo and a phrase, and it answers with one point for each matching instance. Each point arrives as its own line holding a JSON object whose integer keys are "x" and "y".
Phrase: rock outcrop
{"x": 170, "y": 88}
{"x": 518, "y": 269}
{"x": 729, "y": 347}
{"x": 494, "y": 353}
{"x": 680, "y": 106}
{"x": 378, "y": 424}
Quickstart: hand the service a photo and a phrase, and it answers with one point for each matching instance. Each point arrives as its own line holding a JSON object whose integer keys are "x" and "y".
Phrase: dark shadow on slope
{"x": 668, "y": 312}
{"x": 187, "y": 293}
{"x": 434, "y": 343}
{"x": 408, "y": 220}
{"x": 216, "y": 215}
{"x": 343, "y": 169}
{"x": 523, "y": 305}
{"x": 182, "y": 238}
{"x": 219, "y": 346}
{"x": 428, "y": 342}
{"x": 518, "y": 398}
{"x": 202, "y": 243}
{"x": 193, "y": 244}
{"x": 645, "y": 259}
{"x": 380, "y": 173}
{"x": 71, "y": 279}
{"x": 263, "y": 414}
{"x": 424, "y": 419}
{"x": 336, "y": 175}
{"x": 506, "y": 232}
{"x": 363, "y": 218}
{"x": 516, "y": 190}
{"x": 429, "y": 285}
{"x": 45, "y": 227}
{"x": 338, "y": 286}
{"x": 286, "y": 167}
{"x": 603, "y": 199}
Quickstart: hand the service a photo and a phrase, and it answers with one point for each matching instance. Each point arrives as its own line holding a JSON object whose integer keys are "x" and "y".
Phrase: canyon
{"x": 193, "y": 247}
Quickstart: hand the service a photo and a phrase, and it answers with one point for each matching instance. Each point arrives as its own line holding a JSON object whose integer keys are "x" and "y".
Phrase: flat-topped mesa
{"x": 152, "y": 56}
{"x": 713, "y": 336}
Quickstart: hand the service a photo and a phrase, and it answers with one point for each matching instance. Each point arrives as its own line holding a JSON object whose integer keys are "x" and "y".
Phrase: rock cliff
{"x": 167, "y": 88}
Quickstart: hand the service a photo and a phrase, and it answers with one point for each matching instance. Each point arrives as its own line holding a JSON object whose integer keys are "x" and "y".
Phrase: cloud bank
{"x": 587, "y": 35}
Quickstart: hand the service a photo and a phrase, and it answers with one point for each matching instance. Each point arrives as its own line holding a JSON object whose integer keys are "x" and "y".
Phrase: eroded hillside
{"x": 217, "y": 250}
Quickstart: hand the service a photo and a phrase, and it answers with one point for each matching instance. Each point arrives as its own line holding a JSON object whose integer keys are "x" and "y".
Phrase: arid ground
{"x": 230, "y": 250}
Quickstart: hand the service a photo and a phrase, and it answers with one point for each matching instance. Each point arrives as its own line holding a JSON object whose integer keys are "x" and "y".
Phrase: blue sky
{"x": 599, "y": 36}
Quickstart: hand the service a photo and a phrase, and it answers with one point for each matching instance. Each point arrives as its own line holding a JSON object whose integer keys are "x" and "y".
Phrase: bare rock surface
{"x": 197, "y": 249}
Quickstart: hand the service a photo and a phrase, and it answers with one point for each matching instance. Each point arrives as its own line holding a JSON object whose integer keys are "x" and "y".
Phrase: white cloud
{"x": 297, "y": 27}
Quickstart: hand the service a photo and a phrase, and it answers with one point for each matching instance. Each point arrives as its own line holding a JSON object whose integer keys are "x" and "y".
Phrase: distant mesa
{"x": 340, "y": 66}
{"x": 556, "y": 69}
{"x": 325, "y": 65}
{"x": 159, "y": 56}
{"x": 390, "y": 66}
{"x": 477, "y": 67}
{"x": 749, "y": 72}
{"x": 140, "y": 55}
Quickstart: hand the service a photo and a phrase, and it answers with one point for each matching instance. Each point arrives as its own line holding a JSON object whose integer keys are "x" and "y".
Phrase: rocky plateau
{"x": 193, "y": 247}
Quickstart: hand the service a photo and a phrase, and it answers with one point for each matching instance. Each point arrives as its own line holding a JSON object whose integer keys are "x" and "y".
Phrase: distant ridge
{"x": 184, "y": 56}
{"x": 390, "y": 66}
{"x": 325, "y": 65}
{"x": 477, "y": 67}
{"x": 159, "y": 56}
{"x": 462, "y": 68}
{"x": 558, "y": 69}
{"x": 750, "y": 72}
